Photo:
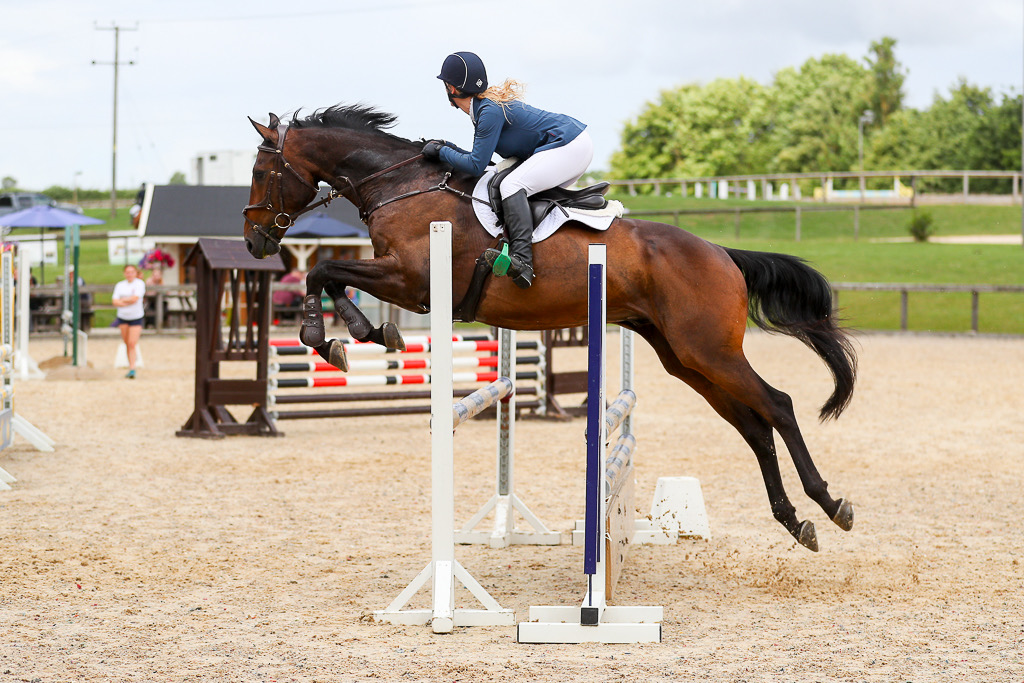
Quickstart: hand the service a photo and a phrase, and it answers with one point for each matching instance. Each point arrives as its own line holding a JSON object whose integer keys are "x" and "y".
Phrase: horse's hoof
{"x": 392, "y": 336}
{"x": 805, "y": 535}
{"x": 336, "y": 355}
{"x": 844, "y": 515}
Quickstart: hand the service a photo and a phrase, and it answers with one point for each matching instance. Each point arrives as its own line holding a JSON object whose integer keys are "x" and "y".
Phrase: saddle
{"x": 541, "y": 204}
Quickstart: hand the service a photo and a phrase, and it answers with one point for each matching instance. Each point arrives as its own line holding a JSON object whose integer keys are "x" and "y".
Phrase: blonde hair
{"x": 509, "y": 91}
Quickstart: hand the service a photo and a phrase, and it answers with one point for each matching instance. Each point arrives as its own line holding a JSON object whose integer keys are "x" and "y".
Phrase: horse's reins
{"x": 364, "y": 215}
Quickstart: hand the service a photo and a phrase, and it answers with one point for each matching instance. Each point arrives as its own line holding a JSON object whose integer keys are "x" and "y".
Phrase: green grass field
{"x": 827, "y": 243}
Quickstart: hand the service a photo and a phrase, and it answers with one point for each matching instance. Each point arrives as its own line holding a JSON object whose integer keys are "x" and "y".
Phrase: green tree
{"x": 716, "y": 129}
{"x": 967, "y": 130}
{"x": 59, "y": 193}
{"x": 887, "y": 75}
{"x": 806, "y": 121}
{"x": 998, "y": 143}
{"x": 901, "y": 145}
{"x": 177, "y": 178}
{"x": 815, "y": 112}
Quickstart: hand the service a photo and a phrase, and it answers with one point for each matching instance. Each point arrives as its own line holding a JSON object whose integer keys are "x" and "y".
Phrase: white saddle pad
{"x": 598, "y": 220}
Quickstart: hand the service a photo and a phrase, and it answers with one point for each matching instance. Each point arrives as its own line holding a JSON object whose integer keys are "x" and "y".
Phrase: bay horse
{"x": 689, "y": 298}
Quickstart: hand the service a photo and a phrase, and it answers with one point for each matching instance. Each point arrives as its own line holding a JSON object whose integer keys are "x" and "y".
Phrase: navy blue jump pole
{"x": 596, "y": 437}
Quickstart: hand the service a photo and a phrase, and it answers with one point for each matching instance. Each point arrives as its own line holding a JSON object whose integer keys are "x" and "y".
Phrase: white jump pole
{"x": 25, "y": 366}
{"x": 443, "y": 569}
{"x": 594, "y": 621}
{"x": 10, "y": 421}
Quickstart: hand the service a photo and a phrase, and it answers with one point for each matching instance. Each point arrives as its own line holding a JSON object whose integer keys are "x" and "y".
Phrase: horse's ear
{"x": 269, "y": 134}
{"x": 274, "y": 121}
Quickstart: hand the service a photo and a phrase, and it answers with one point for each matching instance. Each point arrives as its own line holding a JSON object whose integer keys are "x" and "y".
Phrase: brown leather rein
{"x": 284, "y": 220}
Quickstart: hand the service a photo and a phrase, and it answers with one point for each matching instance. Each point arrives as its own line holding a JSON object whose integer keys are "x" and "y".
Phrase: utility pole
{"x": 116, "y": 63}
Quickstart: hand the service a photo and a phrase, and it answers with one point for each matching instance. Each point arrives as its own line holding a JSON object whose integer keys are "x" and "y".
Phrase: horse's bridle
{"x": 277, "y": 174}
{"x": 284, "y": 220}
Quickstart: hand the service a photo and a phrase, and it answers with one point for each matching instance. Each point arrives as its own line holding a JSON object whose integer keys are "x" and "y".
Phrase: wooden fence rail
{"x": 797, "y": 211}
{"x": 738, "y": 184}
{"x": 905, "y": 289}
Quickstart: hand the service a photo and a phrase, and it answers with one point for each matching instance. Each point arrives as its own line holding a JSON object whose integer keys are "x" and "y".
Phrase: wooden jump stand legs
{"x": 223, "y": 267}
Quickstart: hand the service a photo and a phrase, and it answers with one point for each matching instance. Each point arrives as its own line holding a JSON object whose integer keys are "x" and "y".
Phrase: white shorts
{"x": 556, "y": 167}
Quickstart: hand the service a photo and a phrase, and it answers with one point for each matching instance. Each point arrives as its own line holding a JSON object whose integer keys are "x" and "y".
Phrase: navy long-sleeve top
{"x": 513, "y": 130}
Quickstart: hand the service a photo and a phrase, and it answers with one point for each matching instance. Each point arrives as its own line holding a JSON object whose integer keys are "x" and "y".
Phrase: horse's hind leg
{"x": 731, "y": 386}
{"x": 733, "y": 373}
{"x": 839, "y": 511}
{"x": 758, "y": 435}
{"x": 754, "y": 429}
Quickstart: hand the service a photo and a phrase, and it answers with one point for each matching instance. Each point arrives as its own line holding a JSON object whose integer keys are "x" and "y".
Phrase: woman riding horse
{"x": 555, "y": 150}
{"x": 688, "y": 298}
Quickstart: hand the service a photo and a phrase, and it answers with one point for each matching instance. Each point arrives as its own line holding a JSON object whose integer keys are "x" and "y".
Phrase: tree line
{"x": 810, "y": 119}
{"x": 62, "y": 193}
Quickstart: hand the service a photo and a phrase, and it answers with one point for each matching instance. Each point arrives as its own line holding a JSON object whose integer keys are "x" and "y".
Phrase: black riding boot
{"x": 519, "y": 224}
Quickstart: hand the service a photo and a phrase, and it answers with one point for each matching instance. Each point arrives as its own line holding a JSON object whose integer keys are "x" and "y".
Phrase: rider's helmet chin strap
{"x": 455, "y": 94}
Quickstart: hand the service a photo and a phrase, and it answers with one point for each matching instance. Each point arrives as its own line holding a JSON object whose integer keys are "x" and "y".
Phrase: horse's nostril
{"x": 248, "y": 245}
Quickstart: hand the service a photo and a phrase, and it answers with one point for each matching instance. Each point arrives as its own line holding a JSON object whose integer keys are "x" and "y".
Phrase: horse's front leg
{"x": 378, "y": 277}
{"x": 359, "y": 326}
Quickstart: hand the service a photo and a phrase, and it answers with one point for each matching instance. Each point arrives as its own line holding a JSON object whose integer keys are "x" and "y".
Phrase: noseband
{"x": 284, "y": 220}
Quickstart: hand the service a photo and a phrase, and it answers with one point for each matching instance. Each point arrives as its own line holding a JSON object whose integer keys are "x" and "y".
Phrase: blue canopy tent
{"x": 43, "y": 217}
{"x": 46, "y": 217}
{"x": 319, "y": 224}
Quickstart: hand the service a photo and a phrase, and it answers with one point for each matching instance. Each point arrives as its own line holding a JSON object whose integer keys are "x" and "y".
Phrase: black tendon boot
{"x": 519, "y": 223}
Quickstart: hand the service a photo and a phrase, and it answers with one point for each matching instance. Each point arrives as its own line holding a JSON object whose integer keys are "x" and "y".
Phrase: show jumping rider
{"x": 555, "y": 149}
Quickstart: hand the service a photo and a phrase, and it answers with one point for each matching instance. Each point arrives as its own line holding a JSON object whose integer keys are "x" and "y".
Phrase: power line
{"x": 317, "y": 13}
{"x": 116, "y": 63}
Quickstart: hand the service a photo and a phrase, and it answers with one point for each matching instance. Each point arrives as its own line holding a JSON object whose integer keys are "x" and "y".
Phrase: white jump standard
{"x": 11, "y": 422}
{"x": 594, "y": 620}
{"x": 443, "y": 569}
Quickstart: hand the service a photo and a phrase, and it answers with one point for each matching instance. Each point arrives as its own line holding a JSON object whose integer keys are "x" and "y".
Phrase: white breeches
{"x": 557, "y": 167}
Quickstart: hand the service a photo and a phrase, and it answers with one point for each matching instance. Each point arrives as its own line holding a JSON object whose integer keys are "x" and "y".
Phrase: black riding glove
{"x": 432, "y": 150}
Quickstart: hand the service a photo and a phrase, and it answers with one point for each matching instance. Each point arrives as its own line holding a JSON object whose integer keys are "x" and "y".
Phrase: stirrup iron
{"x": 498, "y": 260}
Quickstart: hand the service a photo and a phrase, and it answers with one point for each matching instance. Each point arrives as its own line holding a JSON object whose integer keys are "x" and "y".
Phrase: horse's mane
{"x": 351, "y": 116}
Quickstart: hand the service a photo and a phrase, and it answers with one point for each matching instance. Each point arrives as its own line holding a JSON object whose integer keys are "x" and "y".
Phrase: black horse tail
{"x": 786, "y": 295}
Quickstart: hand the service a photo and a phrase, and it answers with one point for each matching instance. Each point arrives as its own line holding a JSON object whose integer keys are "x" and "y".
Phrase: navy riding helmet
{"x": 465, "y": 71}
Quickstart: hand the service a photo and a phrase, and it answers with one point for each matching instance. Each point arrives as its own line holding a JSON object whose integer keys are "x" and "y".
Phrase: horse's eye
{"x": 259, "y": 175}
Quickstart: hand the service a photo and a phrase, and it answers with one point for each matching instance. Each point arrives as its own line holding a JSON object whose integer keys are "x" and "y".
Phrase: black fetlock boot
{"x": 519, "y": 224}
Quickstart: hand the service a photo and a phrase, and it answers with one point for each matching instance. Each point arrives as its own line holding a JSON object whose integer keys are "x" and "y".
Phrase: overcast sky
{"x": 202, "y": 67}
